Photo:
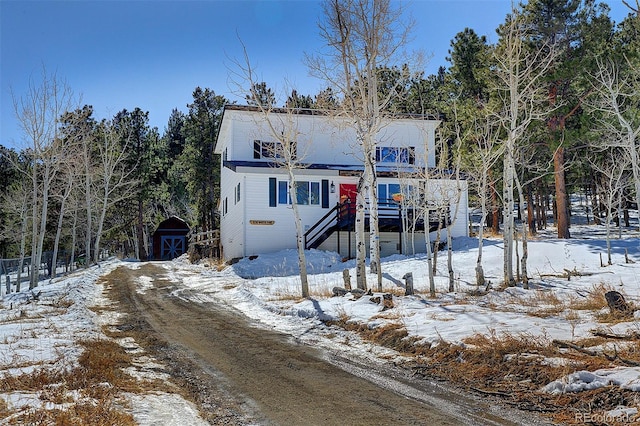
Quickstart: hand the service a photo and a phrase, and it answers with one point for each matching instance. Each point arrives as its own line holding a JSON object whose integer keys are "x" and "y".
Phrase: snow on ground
{"x": 454, "y": 316}
{"x": 45, "y": 334}
{"x": 267, "y": 289}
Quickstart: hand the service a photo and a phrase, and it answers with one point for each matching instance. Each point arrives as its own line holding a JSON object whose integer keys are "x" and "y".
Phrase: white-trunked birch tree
{"x": 113, "y": 181}
{"x": 362, "y": 37}
{"x": 38, "y": 114}
{"x": 614, "y": 105}
{"x": 76, "y": 129}
{"x": 484, "y": 153}
{"x": 519, "y": 72}
{"x": 614, "y": 180}
{"x": 282, "y": 125}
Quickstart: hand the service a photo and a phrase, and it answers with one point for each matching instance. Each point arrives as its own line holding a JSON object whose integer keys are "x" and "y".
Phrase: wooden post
{"x": 347, "y": 279}
{"x": 408, "y": 277}
{"x": 8, "y": 284}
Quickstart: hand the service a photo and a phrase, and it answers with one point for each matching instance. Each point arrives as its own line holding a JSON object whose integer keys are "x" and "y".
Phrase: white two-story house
{"x": 255, "y": 205}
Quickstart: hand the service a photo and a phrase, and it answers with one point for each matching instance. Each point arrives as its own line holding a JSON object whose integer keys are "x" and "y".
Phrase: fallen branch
{"x": 630, "y": 336}
{"x": 614, "y": 357}
{"x": 568, "y": 273}
{"x": 492, "y": 393}
{"x": 567, "y": 345}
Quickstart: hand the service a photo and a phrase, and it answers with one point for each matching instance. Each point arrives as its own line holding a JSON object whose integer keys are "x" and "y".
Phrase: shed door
{"x": 171, "y": 246}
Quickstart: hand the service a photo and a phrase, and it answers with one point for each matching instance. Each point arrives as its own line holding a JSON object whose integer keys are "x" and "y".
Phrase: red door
{"x": 348, "y": 193}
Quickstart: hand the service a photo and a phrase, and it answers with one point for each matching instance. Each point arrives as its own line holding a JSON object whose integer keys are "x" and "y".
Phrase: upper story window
{"x": 269, "y": 150}
{"x": 395, "y": 154}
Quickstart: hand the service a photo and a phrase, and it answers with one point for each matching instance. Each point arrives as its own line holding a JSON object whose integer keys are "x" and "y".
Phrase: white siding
{"x": 323, "y": 140}
{"x": 232, "y": 224}
{"x": 281, "y": 234}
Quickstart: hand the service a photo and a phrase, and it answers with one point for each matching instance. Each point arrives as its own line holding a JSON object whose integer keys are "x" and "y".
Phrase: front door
{"x": 348, "y": 193}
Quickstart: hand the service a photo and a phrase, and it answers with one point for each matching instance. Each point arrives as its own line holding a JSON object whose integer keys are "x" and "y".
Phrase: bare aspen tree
{"x": 519, "y": 71}
{"x": 282, "y": 125}
{"x": 112, "y": 177}
{"x": 453, "y": 195}
{"x": 362, "y": 36}
{"x": 442, "y": 195}
{"x": 613, "y": 171}
{"x": 427, "y": 208}
{"x": 484, "y": 154}
{"x": 38, "y": 112}
{"x": 87, "y": 161}
{"x": 614, "y": 105}
{"x": 17, "y": 200}
{"x": 65, "y": 184}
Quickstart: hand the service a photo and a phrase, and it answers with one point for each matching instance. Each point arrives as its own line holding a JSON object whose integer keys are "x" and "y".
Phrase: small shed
{"x": 170, "y": 239}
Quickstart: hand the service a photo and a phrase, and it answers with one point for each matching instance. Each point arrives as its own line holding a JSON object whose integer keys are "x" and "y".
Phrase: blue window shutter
{"x": 272, "y": 193}
{"x": 256, "y": 149}
{"x": 325, "y": 194}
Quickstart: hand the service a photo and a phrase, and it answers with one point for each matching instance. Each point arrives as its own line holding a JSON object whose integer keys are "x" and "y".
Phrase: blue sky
{"x": 152, "y": 54}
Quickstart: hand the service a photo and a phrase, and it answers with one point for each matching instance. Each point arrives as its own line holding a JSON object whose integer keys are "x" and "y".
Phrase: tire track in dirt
{"x": 261, "y": 376}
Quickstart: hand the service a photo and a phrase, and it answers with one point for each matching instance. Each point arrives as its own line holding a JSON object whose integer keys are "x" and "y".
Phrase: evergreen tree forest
{"x": 551, "y": 109}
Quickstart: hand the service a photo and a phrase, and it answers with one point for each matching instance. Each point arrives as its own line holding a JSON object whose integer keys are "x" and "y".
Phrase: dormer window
{"x": 395, "y": 154}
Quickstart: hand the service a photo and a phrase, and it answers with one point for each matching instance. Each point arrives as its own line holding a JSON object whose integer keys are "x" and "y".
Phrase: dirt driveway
{"x": 239, "y": 373}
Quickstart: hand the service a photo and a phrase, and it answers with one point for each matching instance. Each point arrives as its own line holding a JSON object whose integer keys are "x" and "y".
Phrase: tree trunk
{"x": 427, "y": 239}
{"x": 361, "y": 251}
{"x": 508, "y": 230}
{"x": 103, "y": 213}
{"x": 525, "y": 248}
{"x": 33, "y": 279}
{"x": 495, "y": 211}
{"x": 63, "y": 204}
{"x": 87, "y": 198}
{"x": 436, "y": 243}
{"x": 374, "y": 229}
{"x": 23, "y": 239}
{"x": 142, "y": 255}
{"x": 530, "y": 207}
{"x": 562, "y": 211}
{"x": 302, "y": 261}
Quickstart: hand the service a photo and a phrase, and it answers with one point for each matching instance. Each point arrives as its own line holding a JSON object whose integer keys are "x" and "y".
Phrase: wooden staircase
{"x": 342, "y": 218}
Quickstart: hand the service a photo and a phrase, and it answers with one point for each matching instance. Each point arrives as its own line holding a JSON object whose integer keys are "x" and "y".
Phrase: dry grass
{"x": 512, "y": 367}
{"x": 4, "y": 409}
{"x": 103, "y": 413}
{"x": 99, "y": 379}
{"x": 545, "y": 304}
{"x": 594, "y": 301}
